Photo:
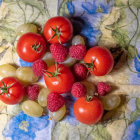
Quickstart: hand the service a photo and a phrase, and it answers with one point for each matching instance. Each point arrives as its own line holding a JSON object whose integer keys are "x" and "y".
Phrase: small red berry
{"x": 80, "y": 71}
{"x": 55, "y": 101}
{"x": 38, "y": 67}
{"x": 78, "y": 90}
{"x": 77, "y": 51}
{"x": 103, "y": 88}
{"x": 32, "y": 91}
{"x": 59, "y": 52}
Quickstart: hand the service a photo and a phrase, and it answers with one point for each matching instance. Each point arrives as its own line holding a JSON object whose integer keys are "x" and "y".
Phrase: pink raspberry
{"x": 55, "y": 101}
{"x": 32, "y": 91}
{"x": 80, "y": 71}
{"x": 78, "y": 90}
{"x": 77, "y": 51}
{"x": 38, "y": 67}
{"x": 103, "y": 88}
{"x": 59, "y": 52}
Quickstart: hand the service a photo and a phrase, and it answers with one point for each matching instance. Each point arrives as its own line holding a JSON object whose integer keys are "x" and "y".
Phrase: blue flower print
{"x": 69, "y": 104}
{"x": 90, "y": 7}
{"x": 24, "y": 63}
{"x": 91, "y": 33}
{"x": 70, "y": 7}
{"x": 24, "y": 127}
{"x": 137, "y": 65}
{"x": 0, "y": 2}
{"x": 83, "y": 26}
{"x": 98, "y": 7}
{"x": 133, "y": 131}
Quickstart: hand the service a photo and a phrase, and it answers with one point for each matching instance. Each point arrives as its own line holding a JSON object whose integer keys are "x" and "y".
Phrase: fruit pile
{"x": 73, "y": 64}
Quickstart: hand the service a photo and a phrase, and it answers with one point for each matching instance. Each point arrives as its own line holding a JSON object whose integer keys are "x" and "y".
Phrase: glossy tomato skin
{"x": 16, "y": 92}
{"x": 64, "y": 26}
{"x": 63, "y": 82}
{"x": 25, "y": 50}
{"x": 88, "y": 112}
{"x": 102, "y": 60}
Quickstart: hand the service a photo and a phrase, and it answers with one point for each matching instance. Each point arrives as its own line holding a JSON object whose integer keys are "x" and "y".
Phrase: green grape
{"x": 90, "y": 87}
{"x": 25, "y": 28}
{"x": 26, "y": 74}
{"x": 110, "y": 101}
{"x": 48, "y": 59}
{"x": 42, "y": 97}
{"x": 78, "y": 40}
{"x": 58, "y": 115}
{"x": 32, "y": 108}
{"x": 7, "y": 70}
{"x": 69, "y": 61}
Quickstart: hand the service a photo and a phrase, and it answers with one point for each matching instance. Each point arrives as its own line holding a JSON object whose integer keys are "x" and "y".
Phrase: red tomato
{"x": 11, "y": 90}
{"x": 88, "y": 112}
{"x": 59, "y": 81}
{"x": 58, "y": 29}
{"x": 99, "y": 60}
{"x": 31, "y": 46}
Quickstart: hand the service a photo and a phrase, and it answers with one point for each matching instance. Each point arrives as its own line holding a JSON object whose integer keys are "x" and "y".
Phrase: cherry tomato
{"x": 31, "y": 46}
{"x": 59, "y": 78}
{"x": 99, "y": 60}
{"x": 58, "y": 29}
{"x": 88, "y": 112}
{"x": 11, "y": 90}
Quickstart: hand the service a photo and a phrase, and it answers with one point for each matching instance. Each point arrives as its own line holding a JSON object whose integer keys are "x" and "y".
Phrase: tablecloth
{"x": 110, "y": 23}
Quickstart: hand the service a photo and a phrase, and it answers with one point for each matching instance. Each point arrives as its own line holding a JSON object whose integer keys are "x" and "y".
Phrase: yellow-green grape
{"x": 7, "y": 70}
{"x": 32, "y": 108}
{"x": 69, "y": 61}
{"x": 26, "y": 28}
{"x": 78, "y": 40}
{"x": 90, "y": 87}
{"x": 58, "y": 115}
{"x": 110, "y": 101}
{"x": 48, "y": 59}
{"x": 42, "y": 97}
{"x": 26, "y": 74}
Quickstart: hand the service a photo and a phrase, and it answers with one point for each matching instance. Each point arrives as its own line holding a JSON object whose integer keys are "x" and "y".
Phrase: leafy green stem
{"x": 137, "y": 27}
{"x": 129, "y": 66}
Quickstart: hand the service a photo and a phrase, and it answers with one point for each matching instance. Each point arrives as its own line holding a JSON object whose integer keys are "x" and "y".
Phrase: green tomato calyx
{"x": 90, "y": 66}
{"x": 53, "y": 74}
{"x": 5, "y": 88}
{"x": 56, "y": 33}
{"x": 37, "y": 47}
{"x": 89, "y": 98}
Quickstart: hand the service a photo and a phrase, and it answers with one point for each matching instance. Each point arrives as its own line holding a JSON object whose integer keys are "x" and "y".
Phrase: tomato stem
{"x": 90, "y": 66}
{"x": 56, "y": 33}
{"x": 53, "y": 74}
{"x": 5, "y": 88}
{"x": 89, "y": 98}
{"x": 35, "y": 47}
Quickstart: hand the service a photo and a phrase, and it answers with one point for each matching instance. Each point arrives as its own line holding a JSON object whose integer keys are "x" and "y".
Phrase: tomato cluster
{"x": 59, "y": 78}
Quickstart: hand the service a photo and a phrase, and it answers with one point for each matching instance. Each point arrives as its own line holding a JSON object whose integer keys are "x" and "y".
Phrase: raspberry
{"x": 38, "y": 67}
{"x": 103, "y": 88}
{"x": 55, "y": 101}
{"x": 32, "y": 91}
{"x": 59, "y": 52}
{"x": 77, "y": 51}
{"x": 80, "y": 71}
{"x": 78, "y": 90}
